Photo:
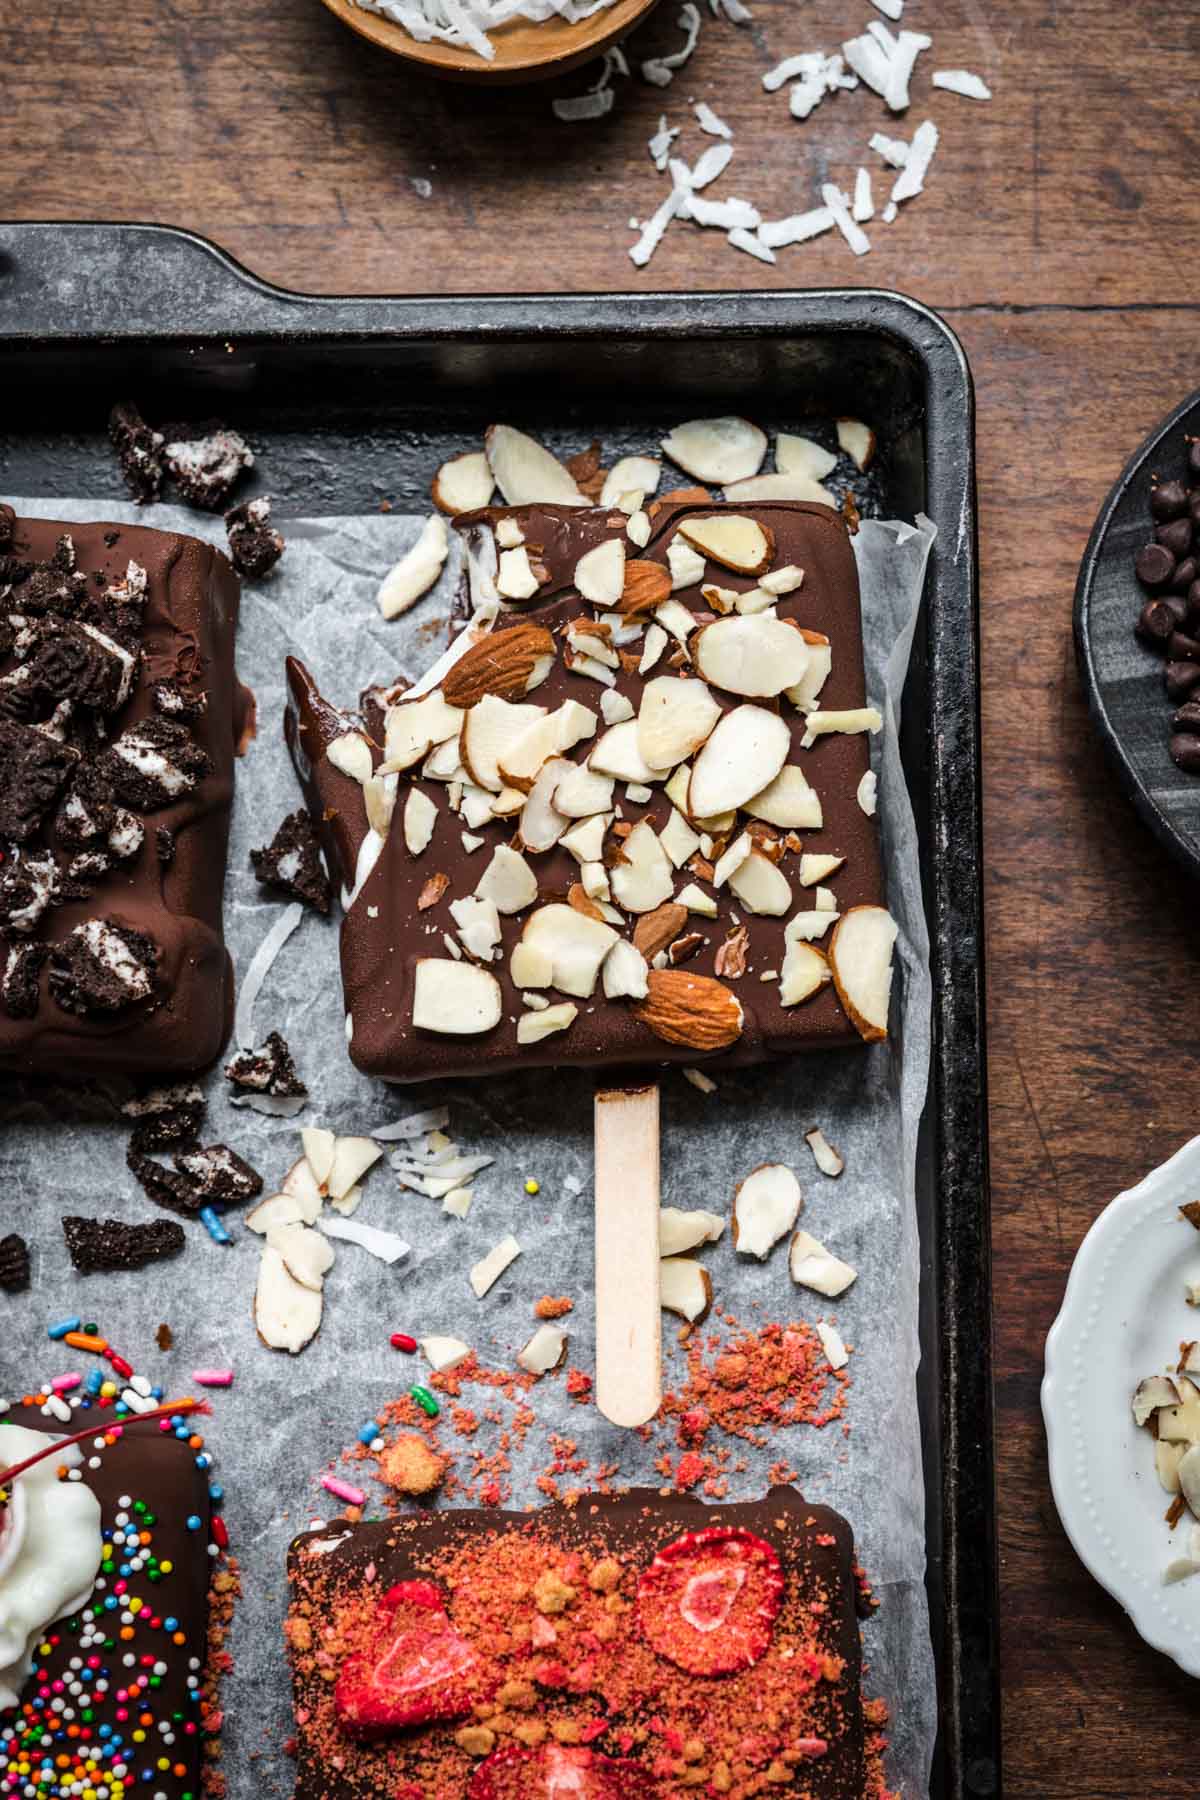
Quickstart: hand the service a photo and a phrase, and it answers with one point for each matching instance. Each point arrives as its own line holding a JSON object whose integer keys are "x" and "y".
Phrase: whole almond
{"x": 655, "y": 930}
{"x": 499, "y": 664}
{"x": 647, "y": 585}
{"x": 692, "y": 1010}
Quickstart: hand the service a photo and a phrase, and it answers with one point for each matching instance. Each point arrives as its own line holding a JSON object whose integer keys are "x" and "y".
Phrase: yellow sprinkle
{"x": 532, "y": 1186}
{"x": 108, "y": 1389}
{"x": 166, "y": 1565}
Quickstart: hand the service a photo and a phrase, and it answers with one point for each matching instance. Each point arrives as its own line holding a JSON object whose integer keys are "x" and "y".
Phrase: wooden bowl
{"x": 524, "y": 51}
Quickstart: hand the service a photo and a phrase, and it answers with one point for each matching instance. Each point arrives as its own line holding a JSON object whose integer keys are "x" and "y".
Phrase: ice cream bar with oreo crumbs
{"x": 629, "y": 817}
{"x": 119, "y": 716}
{"x": 632, "y": 1647}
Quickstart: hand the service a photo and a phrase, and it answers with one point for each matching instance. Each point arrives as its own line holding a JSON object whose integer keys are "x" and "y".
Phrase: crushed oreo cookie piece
{"x": 205, "y": 461}
{"x": 139, "y": 451}
{"x": 219, "y": 1174}
{"x": 89, "y": 811}
{"x": 102, "y": 967}
{"x": 292, "y": 863}
{"x": 165, "y": 1116}
{"x": 99, "y": 1246}
{"x": 164, "y": 845}
{"x": 153, "y": 764}
{"x": 254, "y": 544}
{"x": 86, "y": 868}
{"x": 54, "y": 586}
{"x": 20, "y": 967}
{"x": 270, "y": 1070}
{"x": 175, "y": 701}
{"x": 30, "y": 885}
{"x": 33, "y": 770}
{"x": 14, "y": 1263}
{"x": 126, "y": 835}
{"x": 80, "y": 663}
{"x": 166, "y": 1187}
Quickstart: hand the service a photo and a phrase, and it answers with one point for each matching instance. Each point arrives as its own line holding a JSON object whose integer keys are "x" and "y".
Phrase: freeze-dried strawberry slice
{"x": 708, "y": 1601}
{"x": 555, "y": 1772}
{"x": 416, "y": 1667}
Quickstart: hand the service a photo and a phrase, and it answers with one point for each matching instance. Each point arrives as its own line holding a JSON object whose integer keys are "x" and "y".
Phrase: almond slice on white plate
{"x": 719, "y": 450}
{"x": 508, "y": 881}
{"x": 805, "y": 972}
{"x": 757, "y": 656}
{"x": 491, "y": 728}
{"x": 319, "y": 1146}
{"x": 545, "y": 1351}
{"x": 679, "y": 1230}
{"x": 646, "y": 877}
{"x": 857, "y": 440}
{"x": 350, "y": 755}
{"x": 745, "y": 752}
{"x": 417, "y": 570}
{"x": 526, "y": 473}
{"x": 802, "y": 456}
{"x": 813, "y": 1266}
{"x": 788, "y": 802}
{"x": 463, "y": 484}
{"x": 674, "y": 718}
{"x": 287, "y": 1315}
{"x": 779, "y": 487}
{"x": 600, "y": 573}
{"x": 455, "y": 999}
{"x": 850, "y": 721}
{"x": 490, "y": 1268}
{"x": 307, "y": 1255}
{"x": 352, "y": 1157}
{"x": 761, "y": 886}
{"x": 420, "y": 817}
{"x": 766, "y": 1206}
{"x": 575, "y": 945}
{"x": 860, "y": 956}
{"x": 733, "y": 539}
{"x": 532, "y": 1027}
{"x": 630, "y": 474}
{"x": 414, "y": 727}
{"x": 684, "y": 1287}
{"x": 626, "y": 972}
{"x": 616, "y": 753}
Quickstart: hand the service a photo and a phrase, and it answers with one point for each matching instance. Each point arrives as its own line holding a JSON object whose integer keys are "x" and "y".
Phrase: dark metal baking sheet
{"x": 359, "y": 398}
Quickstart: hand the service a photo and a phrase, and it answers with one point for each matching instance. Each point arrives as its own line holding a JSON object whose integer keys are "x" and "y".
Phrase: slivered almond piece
{"x": 625, "y": 971}
{"x": 685, "y": 1287}
{"x": 581, "y": 792}
{"x": 685, "y": 496}
{"x": 805, "y": 971}
{"x": 655, "y": 930}
{"x": 352, "y": 1157}
{"x": 350, "y": 755}
{"x": 478, "y": 924}
{"x": 463, "y": 484}
{"x": 546, "y": 1350}
{"x": 579, "y": 898}
{"x": 530, "y": 967}
{"x": 532, "y": 1027}
{"x": 630, "y": 474}
{"x": 860, "y": 956}
{"x": 678, "y": 839}
{"x": 519, "y": 762}
{"x": 818, "y": 868}
{"x": 646, "y": 876}
{"x": 697, "y": 901}
{"x": 813, "y": 1266}
{"x": 413, "y": 727}
{"x": 646, "y": 585}
{"x": 420, "y": 817}
{"x": 745, "y": 752}
{"x": 779, "y": 487}
{"x": 679, "y": 1230}
{"x": 585, "y": 841}
{"x": 855, "y": 719}
{"x": 720, "y": 450}
{"x": 734, "y": 540}
{"x": 287, "y": 1315}
{"x": 600, "y": 573}
{"x": 656, "y": 642}
{"x": 674, "y": 718}
{"x": 766, "y": 1206}
{"x": 686, "y": 567}
{"x": 801, "y": 456}
{"x": 825, "y": 1156}
{"x": 526, "y": 473}
{"x": 692, "y": 1010}
{"x": 417, "y": 569}
{"x": 491, "y": 728}
{"x": 319, "y": 1146}
{"x": 444, "y": 1352}
{"x": 857, "y": 440}
{"x": 508, "y": 881}
{"x": 788, "y": 802}
{"x": 761, "y": 886}
{"x": 515, "y": 576}
{"x": 868, "y": 793}
{"x": 785, "y": 581}
{"x": 757, "y": 656}
{"x": 379, "y": 802}
{"x": 455, "y": 999}
{"x": 507, "y": 663}
{"x": 616, "y": 753}
{"x": 307, "y": 1255}
{"x": 574, "y": 944}
{"x": 541, "y": 822}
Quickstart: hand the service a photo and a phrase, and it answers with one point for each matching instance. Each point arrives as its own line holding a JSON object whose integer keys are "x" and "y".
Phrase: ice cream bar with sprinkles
{"x": 104, "y": 1598}
{"x": 631, "y": 1647}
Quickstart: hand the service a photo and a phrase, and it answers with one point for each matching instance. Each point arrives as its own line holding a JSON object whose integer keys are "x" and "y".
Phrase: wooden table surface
{"x": 1054, "y": 236}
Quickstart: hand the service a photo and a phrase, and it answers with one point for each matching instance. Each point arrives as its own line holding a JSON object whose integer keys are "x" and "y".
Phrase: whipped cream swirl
{"x": 50, "y": 1551}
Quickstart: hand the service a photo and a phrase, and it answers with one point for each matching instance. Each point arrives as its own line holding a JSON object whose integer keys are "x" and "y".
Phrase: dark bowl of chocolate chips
{"x": 1137, "y": 630}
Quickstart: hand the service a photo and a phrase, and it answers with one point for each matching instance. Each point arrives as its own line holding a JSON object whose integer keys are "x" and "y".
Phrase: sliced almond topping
{"x": 443, "y": 1352}
{"x": 581, "y": 900}
{"x": 860, "y": 956}
{"x": 782, "y": 581}
{"x": 679, "y": 1231}
{"x": 455, "y": 999}
{"x": 546, "y": 1350}
{"x": 509, "y": 534}
{"x": 685, "y": 1287}
{"x": 761, "y": 886}
{"x": 491, "y": 730}
{"x": 508, "y": 881}
{"x": 647, "y": 585}
{"x": 678, "y": 839}
{"x": 825, "y": 900}
{"x": 307, "y": 1254}
{"x": 568, "y": 725}
{"x": 655, "y": 930}
{"x": 525, "y": 472}
{"x": 686, "y": 565}
{"x": 600, "y": 573}
{"x": 1150, "y": 1394}
{"x": 719, "y": 599}
{"x": 805, "y": 971}
{"x": 478, "y": 924}
{"x": 645, "y": 878}
{"x": 857, "y": 440}
{"x": 734, "y": 540}
{"x": 766, "y": 1206}
{"x": 719, "y": 450}
{"x": 302, "y": 1186}
{"x": 463, "y": 484}
{"x": 590, "y": 639}
{"x": 350, "y": 754}
{"x": 758, "y": 657}
{"x": 730, "y": 960}
{"x": 515, "y": 578}
{"x": 692, "y": 1010}
{"x": 625, "y": 971}
{"x": 675, "y": 717}
{"x": 352, "y": 1157}
{"x": 541, "y": 822}
{"x": 697, "y": 901}
{"x": 287, "y": 1315}
{"x": 813, "y": 1266}
{"x": 319, "y": 1146}
{"x": 420, "y": 817}
{"x": 801, "y": 456}
{"x": 615, "y": 708}
{"x": 586, "y": 841}
{"x": 805, "y": 694}
{"x": 616, "y": 753}
{"x": 825, "y": 1156}
{"x": 530, "y": 966}
{"x": 575, "y": 945}
{"x": 413, "y": 727}
{"x": 656, "y": 643}
{"x": 732, "y": 859}
{"x": 818, "y": 868}
{"x": 779, "y": 487}
{"x": 745, "y": 752}
{"x": 490, "y": 1268}
{"x": 818, "y": 724}
{"x": 868, "y": 789}
{"x": 638, "y": 528}
{"x": 804, "y": 927}
{"x": 417, "y": 570}
{"x": 630, "y": 473}
{"x": 836, "y": 1353}
{"x": 534, "y": 1026}
{"x": 580, "y": 792}
{"x": 280, "y": 1209}
{"x": 379, "y": 802}
{"x": 508, "y": 663}
{"x": 788, "y": 802}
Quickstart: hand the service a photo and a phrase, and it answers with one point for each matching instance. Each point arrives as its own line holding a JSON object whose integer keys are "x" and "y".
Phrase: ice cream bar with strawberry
{"x": 633, "y": 1647}
{"x": 628, "y": 818}
{"x": 104, "y": 1600}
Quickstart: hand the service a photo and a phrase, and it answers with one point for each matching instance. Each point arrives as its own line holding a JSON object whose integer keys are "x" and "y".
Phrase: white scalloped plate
{"x": 1123, "y": 1316}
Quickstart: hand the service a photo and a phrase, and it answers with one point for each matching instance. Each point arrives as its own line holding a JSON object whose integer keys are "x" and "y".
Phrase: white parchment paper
{"x": 285, "y": 1418}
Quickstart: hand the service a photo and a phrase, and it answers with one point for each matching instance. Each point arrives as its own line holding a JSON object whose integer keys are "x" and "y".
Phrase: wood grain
{"x": 1053, "y": 234}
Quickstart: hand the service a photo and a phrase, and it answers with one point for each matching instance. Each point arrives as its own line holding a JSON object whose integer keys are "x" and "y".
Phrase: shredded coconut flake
{"x": 797, "y": 229}
{"x": 746, "y": 240}
{"x": 386, "y": 1245}
{"x": 839, "y": 206}
{"x": 708, "y": 121}
{"x": 961, "y": 81}
{"x": 660, "y": 70}
{"x": 584, "y": 106}
{"x": 864, "y": 205}
{"x": 259, "y": 969}
{"x": 911, "y": 178}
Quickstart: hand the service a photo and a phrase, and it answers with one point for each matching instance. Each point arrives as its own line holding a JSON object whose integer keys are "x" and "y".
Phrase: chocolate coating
{"x": 189, "y": 622}
{"x": 815, "y": 1546}
{"x": 385, "y": 933}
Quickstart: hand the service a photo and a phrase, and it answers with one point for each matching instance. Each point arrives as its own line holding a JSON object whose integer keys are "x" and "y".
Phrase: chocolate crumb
{"x": 164, "y": 843}
{"x": 270, "y": 1070}
{"x": 102, "y": 967}
{"x": 139, "y": 451}
{"x": 220, "y": 1174}
{"x": 166, "y": 1116}
{"x": 97, "y": 1245}
{"x": 205, "y": 462}
{"x": 254, "y": 544}
{"x": 164, "y": 1337}
{"x": 14, "y": 1263}
{"x": 292, "y": 863}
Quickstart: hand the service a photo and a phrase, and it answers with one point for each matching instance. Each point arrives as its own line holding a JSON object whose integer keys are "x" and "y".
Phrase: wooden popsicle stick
{"x": 628, "y": 1314}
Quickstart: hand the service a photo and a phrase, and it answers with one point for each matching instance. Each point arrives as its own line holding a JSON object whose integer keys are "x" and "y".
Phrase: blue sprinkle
{"x": 95, "y": 1381}
{"x": 213, "y": 1226}
{"x": 216, "y": 1493}
{"x": 61, "y": 1329}
{"x": 170, "y": 1624}
{"x": 369, "y": 1432}
{"x": 156, "y": 1393}
{"x": 193, "y": 1523}
{"x": 204, "y": 1460}
{"x": 181, "y": 1431}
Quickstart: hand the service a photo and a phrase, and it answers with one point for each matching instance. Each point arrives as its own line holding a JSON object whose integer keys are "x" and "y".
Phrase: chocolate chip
{"x": 1188, "y": 717}
{"x": 219, "y": 1173}
{"x": 103, "y": 966}
{"x": 205, "y": 462}
{"x": 1185, "y": 751}
{"x": 1185, "y": 574}
{"x": 1168, "y": 499}
{"x": 98, "y": 1246}
{"x": 254, "y": 544}
{"x": 266, "y": 1071}
{"x": 153, "y": 764}
{"x": 139, "y": 451}
{"x": 20, "y": 992}
{"x": 14, "y": 1263}
{"x": 33, "y": 769}
{"x": 292, "y": 863}
{"x": 1157, "y": 620}
{"x": 1181, "y": 679}
{"x": 165, "y": 1116}
{"x": 1176, "y": 537}
{"x": 1182, "y": 648}
{"x": 1154, "y": 565}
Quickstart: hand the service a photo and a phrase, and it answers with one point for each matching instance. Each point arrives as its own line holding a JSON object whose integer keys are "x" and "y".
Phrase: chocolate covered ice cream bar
{"x": 104, "y": 1585}
{"x": 119, "y": 713}
{"x": 632, "y": 1648}
{"x": 629, "y": 817}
